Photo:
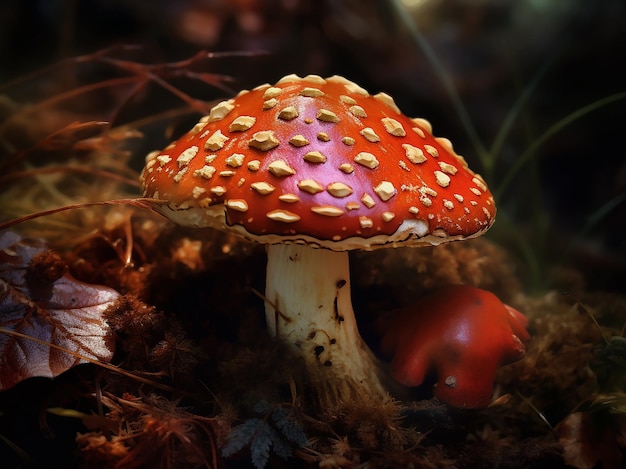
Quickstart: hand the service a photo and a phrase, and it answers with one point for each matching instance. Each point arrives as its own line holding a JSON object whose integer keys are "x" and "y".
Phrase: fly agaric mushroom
{"x": 462, "y": 334}
{"x": 313, "y": 168}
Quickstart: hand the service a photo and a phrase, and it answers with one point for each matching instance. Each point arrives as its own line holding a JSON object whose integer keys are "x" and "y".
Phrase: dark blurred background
{"x": 565, "y": 205}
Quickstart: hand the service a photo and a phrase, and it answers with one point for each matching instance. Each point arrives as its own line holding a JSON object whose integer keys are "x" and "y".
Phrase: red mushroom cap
{"x": 321, "y": 161}
{"x": 462, "y": 334}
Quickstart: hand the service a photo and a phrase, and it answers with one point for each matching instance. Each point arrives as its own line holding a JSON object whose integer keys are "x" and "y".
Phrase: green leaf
{"x": 275, "y": 433}
{"x": 291, "y": 430}
{"x": 261, "y": 444}
{"x": 241, "y": 435}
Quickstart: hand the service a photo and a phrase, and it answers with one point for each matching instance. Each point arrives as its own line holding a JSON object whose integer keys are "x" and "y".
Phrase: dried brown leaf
{"x": 50, "y": 322}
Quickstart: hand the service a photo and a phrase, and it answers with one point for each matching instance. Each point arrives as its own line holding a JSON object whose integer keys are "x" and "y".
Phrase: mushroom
{"x": 462, "y": 334}
{"x": 314, "y": 168}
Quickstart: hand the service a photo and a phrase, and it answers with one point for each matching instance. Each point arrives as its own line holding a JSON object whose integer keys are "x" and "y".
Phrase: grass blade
{"x": 530, "y": 152}
{"x": 459, "y": 108}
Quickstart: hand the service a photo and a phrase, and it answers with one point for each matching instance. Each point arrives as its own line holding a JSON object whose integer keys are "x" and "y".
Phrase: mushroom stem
{"x": 309, "y": 309}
